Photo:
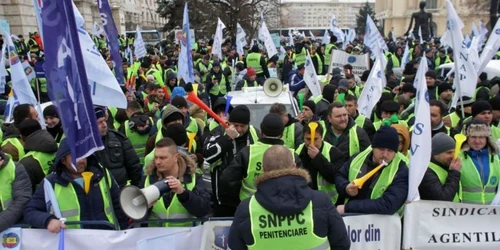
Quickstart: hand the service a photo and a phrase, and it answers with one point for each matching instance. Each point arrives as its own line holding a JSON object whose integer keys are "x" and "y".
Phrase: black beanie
{"x": 443, "y": 87}
{"x": 99, "y": 112}
{"x": 329, "y": 92}
{"x": 495, "y": 102}
{"x": 50, "y": 111}
{"x": 273, "y": 126}
{"x": 431, "y": 74}
{"x": 177, "y": 133}
{"x": 240, "y": 114}
{"x": 386, "y": 137}
{"x": 311, "y": 105}
{"x": 28, "y": 127}
{"x": 179, "y": 102}
{"x": 479, "y": 107}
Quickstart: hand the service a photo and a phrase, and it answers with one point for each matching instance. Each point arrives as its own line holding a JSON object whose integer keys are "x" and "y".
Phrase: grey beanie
{"x": 441, "y": 143}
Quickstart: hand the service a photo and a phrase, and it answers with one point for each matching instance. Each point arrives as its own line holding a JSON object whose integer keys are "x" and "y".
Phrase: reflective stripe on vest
{"x": 114, "y": 111}
{"x": 289, "y": 136}
{"x": 137, "y": 140}
{"x": 442, "y": 174}
{"x": 7, "y": 177}
{"x": 324, "y": 185}
{"x": 360, "y": 120}
{"x": 353, "y": 141}
{"x": 175, "y": 210}
{"x": 253, "y": 60}
{"x": 473, "y": 190}
{"x": 220, "y": 87}
{"x": 45, "y": 160}
{"x": 245, "y": 85}
{"x": 17, "y": 144}
{"x": 269, "y": 233}
{"x": 70, "y": 206}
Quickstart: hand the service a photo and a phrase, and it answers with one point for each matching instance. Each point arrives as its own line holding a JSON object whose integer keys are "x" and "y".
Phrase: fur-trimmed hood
{"x": 186, "y": 165}
{"x": 480, "y": 129}
{"x": 283, "y": 172}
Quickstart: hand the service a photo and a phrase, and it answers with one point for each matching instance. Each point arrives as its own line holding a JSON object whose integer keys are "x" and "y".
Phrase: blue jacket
{"x": 285, "y": 192}
{"x": 296, "y": 82}
{"x": 91, "y": 205}
{"x": 392, "y": 199}
{"x": 481, "y": 158}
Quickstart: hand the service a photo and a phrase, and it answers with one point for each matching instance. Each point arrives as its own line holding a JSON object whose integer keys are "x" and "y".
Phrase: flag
{"x": 67, "y": 81}
{"x": 96, "y": 28}
{"x": 241, "y": 39}
{"x": 420, "y": 151}
{"x": 9, "y": 107}
{"x": 491, "y": 47}
{"x": 420, "y": 35}
{"x": 185, "y": 58}
{"x": 467, "y": 40}
{"x": 326, "y": 38}
{"x": 474, "y": 30}
{"x": 393, "y": 37}
{"x": 310, "y": 77}
{"x": 351, "y": 35}
{"x": 38, "y": 4}
{"x": 336, "y": 31}
{"x": 29, "y": 71}
{"x": 406, "y": 56}
{"x": 372, "y": 91}
{"x": 128, "y": 53}
{"x": 139, "y": 48}
{"x": 268, "y": 41}
{"x": 217, "y": 46}
{"x": 3, "y": 71}
{"x": 312, "y": 35}
{"x": 290, "y": 37}
{"x": 372, "y": 35}
{"x": 112, "y": 35}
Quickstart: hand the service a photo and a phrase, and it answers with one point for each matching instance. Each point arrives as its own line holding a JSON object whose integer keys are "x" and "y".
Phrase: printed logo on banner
{"x": 221, "y": 236}
{"x": 497, "y": 31}
{"x": 238, "y": 30}
{"x": 379, "y": 74}
{"x": 10, "y": 240}
{"x": 13, "y": 55}
{"x": 308, "y": 62}
{"x": 450, "y": 24}
{"x": 493, "y": 180}
{"x": 28, "y": 70}
{"x": 351, "y": 59}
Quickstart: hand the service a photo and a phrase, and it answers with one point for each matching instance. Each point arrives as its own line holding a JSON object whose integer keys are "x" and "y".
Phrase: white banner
{"x": 268, "y": 41}
{"x": 139, "y": 48}
{"x": 359, "y": 63}
{"x": 217, "y": 46}
{"x": 241, "y": 39}
{"x": 450, "y": 226}
{"x": 374, "y": 231}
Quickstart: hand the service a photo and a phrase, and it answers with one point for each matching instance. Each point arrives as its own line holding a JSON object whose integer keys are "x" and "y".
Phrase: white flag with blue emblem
{"x": 217, "y": 46}
{"x": 491, "y": 47}
{"x": 336, "y": 31}
{"x": 139, "y": 47}
{"x": 372, "y": 91}
{"x": 310, "y": 77}
{"x": 420, "y": 150}
{"x": 326, "y": 38}
{"x": 372, "y": 35}
{"x": 406, "y": 57}
{"x": 268, "y": 41}
{"x": 241, "y": 39}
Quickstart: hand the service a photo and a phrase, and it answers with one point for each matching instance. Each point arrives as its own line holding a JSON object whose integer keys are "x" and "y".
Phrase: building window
{"x": 431, "y": 4}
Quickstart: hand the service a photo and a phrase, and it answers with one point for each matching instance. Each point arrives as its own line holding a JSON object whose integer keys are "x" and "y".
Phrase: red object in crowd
{"x": 38, "y": 40}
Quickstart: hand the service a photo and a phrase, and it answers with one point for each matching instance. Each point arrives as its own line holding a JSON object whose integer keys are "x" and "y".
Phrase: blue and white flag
{"x": 310, "y": 77}
{"x": 217, "y": 46}
{"x": 474, "y": 30}
{"x": 241, "y": 39}
{"x": 185, "y": 58}
{"x": 112, "y": 35}
{"x": 372, "y": 36}
{"x": 3, "y": 71}
{"x": 351, "y": 35}
{"x": 406, "y": 56}
{"x": 139, "y": 47}
{"x": 336, "y": 31}
{"x": 37, "y": 4}
{"x": 326, "y": 38}
{"x": 491, "y": 47}
{"x": 268, "y": 41}
{"x": 372, "y": 91}
{"x": 420, "y": 151}
{"x": 67, "y": 80}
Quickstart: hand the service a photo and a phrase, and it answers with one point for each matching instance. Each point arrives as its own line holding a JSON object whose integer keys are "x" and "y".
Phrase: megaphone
{"x": 194, "y": 99}
{"x": 135, "y": 201}
{"x": 273, "y": 87}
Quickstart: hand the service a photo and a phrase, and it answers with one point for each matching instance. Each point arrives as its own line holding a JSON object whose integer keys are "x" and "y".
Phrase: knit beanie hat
{"x": 480, "y": 106}
{"x": 311, "y": 105}
{"x": 251, "y": 71}
{"x": 28, "y": 127}
{"x": 466, "y": 102}
{"x": 386, "y": 137}
{"x": 329, "y": 92}
{"x": 495, "y": 102}
{"x": 177, "y": 133}
{"x": 179, "y": 102}
{"x": 272, "y": 125}
{"x": 50, "y": 111}
{"x": 443, "y": 87}
{"x": 240, "y": 114}
{"x": 100, "y": 112}
{"x": 431, "y": 74}
{"x": 441, "y": 143}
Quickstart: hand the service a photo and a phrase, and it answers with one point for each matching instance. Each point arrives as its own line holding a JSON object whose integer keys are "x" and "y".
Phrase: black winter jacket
{"x": 431, "y": 188}
{"x": 343, "y": 141}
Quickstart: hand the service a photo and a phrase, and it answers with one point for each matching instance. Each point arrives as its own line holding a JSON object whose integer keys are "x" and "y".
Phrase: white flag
{"x": 475, "y": 31}
{"x": 393, "y": 37}
{"x": 352, "y": 34}
{"x": 3, "y": 71}
{"x": 372, "y": 35}
{"x": 241, "y": 39}
{"x": 96, "y": 29}
{"x": 372, "y": 91}
{"x": 420, "y": 150}
{"x": 312, "y": 35}
{"x": 406, "y": 57}
{"x": 29, "y": 71}
{"x": 310, "y": 77}
{"x": 51, "y": 203}
{"x": 217, "y": 46}
{"x": 139, "y": 48}
{"x": 491, "y": 47}
{"x": 420, "y": 35}
{"x": 334, "y": 28}
{"x": 326, "y": 38}
{"x": 268, "y": 41}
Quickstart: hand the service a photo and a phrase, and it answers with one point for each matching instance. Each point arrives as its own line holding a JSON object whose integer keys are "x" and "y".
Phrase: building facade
{"x": 318, "y": 13}
{"x": 127, "y": 14}
{"x": 396, "y": 14}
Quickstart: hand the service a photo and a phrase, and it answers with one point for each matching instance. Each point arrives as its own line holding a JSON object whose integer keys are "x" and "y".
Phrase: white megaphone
{"x": 135, "y": 201}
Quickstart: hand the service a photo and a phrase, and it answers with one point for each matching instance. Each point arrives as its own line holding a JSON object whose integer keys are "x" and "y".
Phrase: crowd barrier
{"x": 427, "y": 225}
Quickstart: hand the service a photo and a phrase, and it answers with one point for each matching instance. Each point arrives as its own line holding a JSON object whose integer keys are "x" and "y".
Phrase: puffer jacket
{"x": 285, "y": 192}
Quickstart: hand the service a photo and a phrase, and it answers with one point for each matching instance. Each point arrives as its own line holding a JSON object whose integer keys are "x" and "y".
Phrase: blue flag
{"x": 185, "y": 58}
{"x": 112, "y": 34}
{"x": 67, "y": 80}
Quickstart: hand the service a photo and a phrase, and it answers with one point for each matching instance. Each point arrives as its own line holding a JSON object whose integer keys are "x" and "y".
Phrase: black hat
{"x": 479, "y": 107}
{"x": 240, "y": 114}
{"x": 386, "y": 137}
{"x": 443, "y": 87}
{"x": 408, "y": 87}
{"x": 50, "y": 111}
{"x": 273, "y": 126}
{"x": 466, "y": 101}
{"x": 179, "y": 102}
{"x": 495, "y": 102}
{"x": 390, "y": 106}
{"x": 311, "y": 105}
{"x": 146, "y": 62}
{"x": 177, "y": 133}
{"x": 431, "y": 73}
{"x": 99, "y": 112}
{"x": 29, "y": 126}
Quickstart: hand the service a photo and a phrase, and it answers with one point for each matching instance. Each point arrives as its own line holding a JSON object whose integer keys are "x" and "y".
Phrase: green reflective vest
{"x": 300, "y": 58}
{"x": 289, "y": 136}
{"x": 254, "y": 168}
{"x": 7, "y": 177}
{"x": 253, "y": 60}
{"x": 328, "y": 53}
{"x": 45, "y": 160}
{"x": 360, "y": 120}
{"x": 70, "y": 206}
{"x": 17, "y": 144}
{"x": 378, "y": 124}
{"x": 114, "y": 111}
{"x": 220, "y": 87}
{"x": 137, "y": 140}
{"x": 438, "y": 62}
{"x": 495, "y": 133}
{"x": 34, "y": 48}
{"x": 473, "y": 190}
{"x": 202, "y": 67}
{"x": 442, "y": 174}
{"x": 316, "y": 99}
{"x": 269, "y": 233}
{"x": 324, "y": 185}
{"x": 393, "y": 58}
{"x": 245, "y": 85}
{"x": 454, "y": 118}
{"x": 353, "y": 141}
{"x": 175, "y": 210}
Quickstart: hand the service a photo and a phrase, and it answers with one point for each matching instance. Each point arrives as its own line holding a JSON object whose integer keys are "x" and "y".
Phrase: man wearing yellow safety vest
{"x": 40, "y": 148}
{"x": 309, "y": 218}
{"x": 386, "y": 191}
{"x": 292, "y": 135}
{"x": 452, "y": 120}
{"x": 480, "y": 164}
{"x": 441, "y": 181}
{"x": 33, "y": 45}
{"x": 203, "y": 67}
{"x": 437, "y": 109}
{"x": 389, "y": 114}
{"x": 482, "y": 110}
{"x": 217, "y": 83}
{"x": 343, "y": 133}
{"x": 258, "y": 62}
{"x": 441, "y": 59}
{"x": 79, "y": 199}
{"x": 237, "y": 181}
{"x": 351, "y": 104}
{"x": 321, "y": 160}
{"x": 328, "y": 52}
{"x": 249, "y": 80}
{"x": 187, "y": 198}
{"x": 12, "y": 143}
{"x": 15, "y": 191}
{"x": 221, "y": 147}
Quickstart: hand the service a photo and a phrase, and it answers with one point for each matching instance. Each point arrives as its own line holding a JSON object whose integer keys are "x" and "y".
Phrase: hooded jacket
{"x": 285, "y": 192}
{"x": 39, "y": 141}
{"x": 21, "y": 194}
{"x": 91, "y": 204}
